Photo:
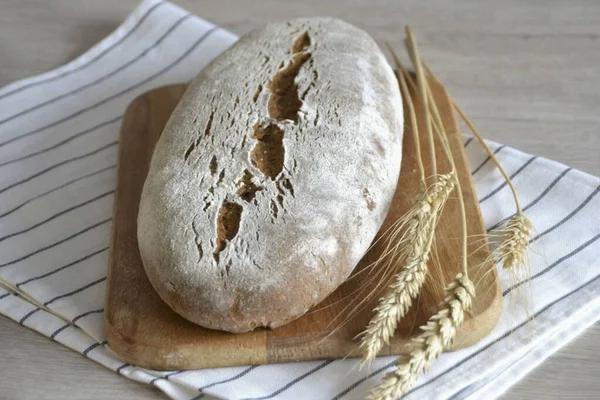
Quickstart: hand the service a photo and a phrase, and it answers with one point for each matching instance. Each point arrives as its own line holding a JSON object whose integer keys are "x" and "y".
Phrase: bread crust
{"x": 272, "y": 176}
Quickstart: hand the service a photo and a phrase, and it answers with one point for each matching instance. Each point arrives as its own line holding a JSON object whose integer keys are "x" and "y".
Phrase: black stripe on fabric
{"x": 476, "y": 170}
{"x": 92, "y": 347}
{"x": 81, "y": 289}
{"x": 473, "y": 387}
{"x": 537, "y": 199}
{"x": 200, "y": 396}
{"x": 67, "y": 161}
{"x": 165, "y": 377}
{"x": 469, "y": 388}
{"x": 233, "y": 378}
{"x": 293, "y": 382}
{"x": 470, "y": 357}
{"x": 468, "y": 142}
{"x": 74, "y": 320}
{"x": 92, "y": 200}
{"x": 91, "y": 61}
{"x": 59, "y": 330}
{"x": 568, "y": 217}
{"x": 55, "y": 189}
{"x": 54, "y": 146}
{"x": 505, "y": 335}
{"x": 114, "y": 96}
{"x": 89, "y": 228}
{"x": 85, "y": 314}
{"x": 29, "y": 314}
{"x": 47, "y": 274}
{"x": 552, "y": 266}
{"x": 5, "y": 295}
{"x": 118, "y": 370}
{"x": 505, "y": 183}
{"x": 101, "y": 79}
{"x": 361, "y": 380}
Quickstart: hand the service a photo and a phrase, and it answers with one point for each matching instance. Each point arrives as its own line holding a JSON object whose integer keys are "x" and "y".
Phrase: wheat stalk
{"x": 421, "y": 221}
{"x": 26, "y": 297}
{"x": 517, "y": 231}
{"x": 437, "y": 335}
{"x": 400, "y": 74}
{"x": 413, "y": 52}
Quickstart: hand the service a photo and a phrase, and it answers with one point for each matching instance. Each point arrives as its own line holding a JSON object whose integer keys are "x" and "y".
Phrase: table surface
{"x": 528, "y": 74}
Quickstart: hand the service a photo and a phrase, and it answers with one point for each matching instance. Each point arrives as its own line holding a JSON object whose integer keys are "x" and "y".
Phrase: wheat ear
{"x": 512, "y": 251}
{"x": 421, "y": 223}
{"x": 437, "y": 335}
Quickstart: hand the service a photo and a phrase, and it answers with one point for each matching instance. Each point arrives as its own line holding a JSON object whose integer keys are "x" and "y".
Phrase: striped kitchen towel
{"x": 58, "y": 150}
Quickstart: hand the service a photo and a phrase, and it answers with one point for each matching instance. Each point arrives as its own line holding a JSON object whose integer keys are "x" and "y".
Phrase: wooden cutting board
{"x": 143, "y": 330}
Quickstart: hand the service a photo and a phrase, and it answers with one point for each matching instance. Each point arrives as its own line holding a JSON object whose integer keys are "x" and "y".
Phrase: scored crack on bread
{"x": 272, "y": 176}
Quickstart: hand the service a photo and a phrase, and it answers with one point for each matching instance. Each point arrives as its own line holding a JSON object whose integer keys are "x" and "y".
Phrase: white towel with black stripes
{"x": 58, "y": 150}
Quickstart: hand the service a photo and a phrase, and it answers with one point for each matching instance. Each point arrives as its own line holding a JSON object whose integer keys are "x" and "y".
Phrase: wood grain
{"x": 144, "y": 331}
{"x": 538, "y": 58}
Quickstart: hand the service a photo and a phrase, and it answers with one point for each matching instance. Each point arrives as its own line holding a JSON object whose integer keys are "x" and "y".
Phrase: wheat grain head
{"x": 413, "y": 256}
{"x": 517, "y": 234}
{"x": 437, "y": 335}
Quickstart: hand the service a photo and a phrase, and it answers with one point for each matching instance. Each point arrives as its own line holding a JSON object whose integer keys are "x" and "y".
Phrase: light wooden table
{"x": 528, "y": 73}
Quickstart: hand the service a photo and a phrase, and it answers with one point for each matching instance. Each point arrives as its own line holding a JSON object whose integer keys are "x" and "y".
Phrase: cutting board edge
{"x": 160, "y": 356}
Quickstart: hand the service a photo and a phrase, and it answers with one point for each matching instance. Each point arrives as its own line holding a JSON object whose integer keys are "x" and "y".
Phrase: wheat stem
{"x": 481, "y": 142}
{"x": 413, "y": 51}
{"x": 441, "y": 131}
{"x": 518, "y": 229}
{"x": 411, "y": 112}
{"x": 438, "y": 334}
{"x": 490, "y": 153}
{"x": 25, "y": 296}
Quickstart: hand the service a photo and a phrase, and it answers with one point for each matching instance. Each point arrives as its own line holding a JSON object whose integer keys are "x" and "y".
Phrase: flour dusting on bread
{"x": 272, "y": 176}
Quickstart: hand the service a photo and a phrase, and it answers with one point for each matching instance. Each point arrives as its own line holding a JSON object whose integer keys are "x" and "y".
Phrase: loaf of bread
{"x": 272, "y": 176}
